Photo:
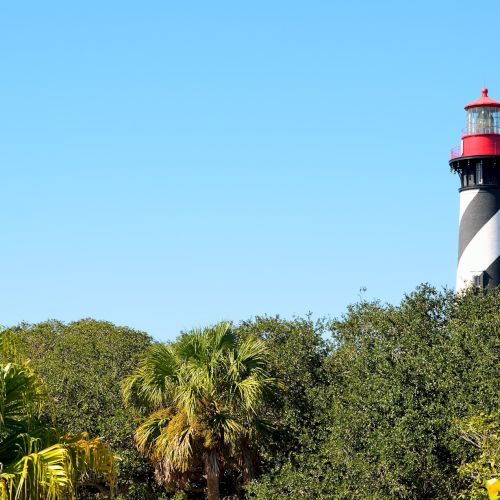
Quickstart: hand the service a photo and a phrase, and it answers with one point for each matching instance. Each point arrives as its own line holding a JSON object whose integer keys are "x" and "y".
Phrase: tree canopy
{"x": 387, "y": 401}
{"x": 397, "y": 379}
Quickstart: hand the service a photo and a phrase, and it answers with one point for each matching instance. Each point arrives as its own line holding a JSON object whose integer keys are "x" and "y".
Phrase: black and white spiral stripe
{"x": 479, "y": 240}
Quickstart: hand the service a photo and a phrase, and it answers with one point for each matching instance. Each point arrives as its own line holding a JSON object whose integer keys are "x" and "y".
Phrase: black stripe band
{"x": 480, "y": 210}
{"x": 492, "y": 274}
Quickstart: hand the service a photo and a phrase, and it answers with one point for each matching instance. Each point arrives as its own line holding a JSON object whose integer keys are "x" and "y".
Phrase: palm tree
{"x": 36, "y": 461}
{"x": 205, "y": 392}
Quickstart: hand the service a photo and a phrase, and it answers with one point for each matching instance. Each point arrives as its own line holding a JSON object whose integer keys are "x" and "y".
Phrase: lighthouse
{"x": 477, "y": 162}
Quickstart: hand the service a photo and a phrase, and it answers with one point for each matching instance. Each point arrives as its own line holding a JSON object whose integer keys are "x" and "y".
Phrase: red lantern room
{"x": 481, "y": 137}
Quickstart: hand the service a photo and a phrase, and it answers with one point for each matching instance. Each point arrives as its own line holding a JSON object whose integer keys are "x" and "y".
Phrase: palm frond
{"x": 188, "y": 397}
{"x": 20, "y": 395}
{"x": 26, "y": 439}
{"x": 166, "y": 439}
{"x": 53, "y": 472}
{"x": 148, "y": 386}
{"x": 250, "y": 391}
{"x": 90, "y": 455}
{"x": 148, "y": 432}
{"x": 176, "y": 441}
{"x": 228, "y": 427}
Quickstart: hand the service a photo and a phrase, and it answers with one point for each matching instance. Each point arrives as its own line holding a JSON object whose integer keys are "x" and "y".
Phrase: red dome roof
{"x": 484, "y": 100}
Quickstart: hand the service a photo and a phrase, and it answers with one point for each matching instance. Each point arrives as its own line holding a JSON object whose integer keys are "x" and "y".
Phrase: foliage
{"x": 36, "y": 461}
{"x": 384, "y": 402}
{"x": 483, "y": 433}
{"x": 205, "y": 392}
{"x": 398, "y": 377}
{"x": 82, "y": 364}
{"x": 297, "y": 351}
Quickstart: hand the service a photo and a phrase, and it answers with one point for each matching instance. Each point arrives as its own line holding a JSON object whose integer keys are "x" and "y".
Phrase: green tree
{"x": 37, "y": 461}
{"x": 82, "y": 365}
{"x": 398, "y": 377}
{"x": 297, "y": 354}
{"x": 206, "y": 392}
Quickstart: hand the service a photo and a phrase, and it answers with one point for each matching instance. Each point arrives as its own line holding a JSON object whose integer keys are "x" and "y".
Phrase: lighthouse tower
{"x": 477, "y": 161}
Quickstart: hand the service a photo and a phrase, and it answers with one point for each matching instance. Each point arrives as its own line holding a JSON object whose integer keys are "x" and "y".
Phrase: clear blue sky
{"x": 165, "y": 165}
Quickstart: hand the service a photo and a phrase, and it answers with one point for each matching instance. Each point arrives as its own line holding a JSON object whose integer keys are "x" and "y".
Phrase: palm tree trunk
{"x": 247, "y": 464}
{"x": 212, "y": 472}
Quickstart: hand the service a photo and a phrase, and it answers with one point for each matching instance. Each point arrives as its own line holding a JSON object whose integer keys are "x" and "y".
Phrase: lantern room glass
{"x": 483, "y": 120}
